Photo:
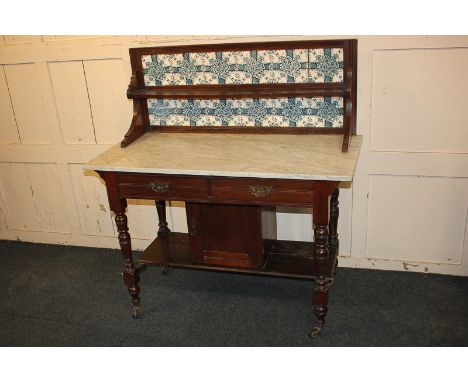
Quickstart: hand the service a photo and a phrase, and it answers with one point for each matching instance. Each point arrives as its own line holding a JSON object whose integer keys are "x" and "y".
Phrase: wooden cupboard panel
{"x": 71, "y": 98}
{"x": 8, "y": 129}
{"x": 419, "y": 100}
{"x": 111, "y": 110}
{"x": 91, "y": 202}
{"x": 28, "y": 103}
{"x": 417, "y": 218}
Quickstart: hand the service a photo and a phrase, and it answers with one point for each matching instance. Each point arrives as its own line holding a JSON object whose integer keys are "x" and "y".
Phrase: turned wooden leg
{"x": 163, "y": 228}
{"x": 323, "y": 249}
{"x": 322, "y": 282}
{"x": 130, "y": 272}
{"x": 320, "y": 305}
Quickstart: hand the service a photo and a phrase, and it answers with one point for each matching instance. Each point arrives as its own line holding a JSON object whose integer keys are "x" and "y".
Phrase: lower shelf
{"x": 286, "y": 258}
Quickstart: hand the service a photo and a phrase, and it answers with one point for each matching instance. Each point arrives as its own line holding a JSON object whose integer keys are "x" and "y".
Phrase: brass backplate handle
{"x": 159, "y": 187}
{"x": 260, "y": 190}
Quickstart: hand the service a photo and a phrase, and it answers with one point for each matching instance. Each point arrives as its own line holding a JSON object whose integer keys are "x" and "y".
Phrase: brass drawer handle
{"x": 260, "y": 191}
{"x": 159, "y": 187}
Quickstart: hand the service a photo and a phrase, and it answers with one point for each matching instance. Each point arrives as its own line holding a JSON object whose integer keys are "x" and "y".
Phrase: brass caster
{"x": 136, "y": 312}
{"x": 316, "y": 330}
{"x": 164, "y": 269}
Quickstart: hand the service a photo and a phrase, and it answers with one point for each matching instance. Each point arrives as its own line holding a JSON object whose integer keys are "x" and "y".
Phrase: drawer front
{"x": 263, "y": 191}
{"x": 164, "y": 187}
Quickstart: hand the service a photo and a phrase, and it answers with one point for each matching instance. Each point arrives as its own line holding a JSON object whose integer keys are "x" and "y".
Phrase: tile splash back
{"x": 324, "y": 112}
{"x": 244, "y": 67}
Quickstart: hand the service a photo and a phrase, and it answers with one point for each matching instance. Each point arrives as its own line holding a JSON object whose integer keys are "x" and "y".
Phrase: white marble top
{"x": 314, "y": 157}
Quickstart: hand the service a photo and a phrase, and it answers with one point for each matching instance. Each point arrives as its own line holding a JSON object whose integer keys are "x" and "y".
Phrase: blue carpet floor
{"x": 55, "y": 295}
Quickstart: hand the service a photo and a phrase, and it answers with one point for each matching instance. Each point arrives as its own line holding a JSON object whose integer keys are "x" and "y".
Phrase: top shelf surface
{"x": 310, "y": 157}
{"x": 242, "y": 91}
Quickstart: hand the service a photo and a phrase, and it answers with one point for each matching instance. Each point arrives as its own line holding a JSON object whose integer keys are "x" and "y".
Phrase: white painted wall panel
{"x": 18, "y": 196}
{"x": 112, "y": 112}
{"x": 294, "y": 224}
{"x": 417, "y": 218}
{"x": 400, "y": 115}
{"x": 148, "y": 222}
{"x": 4, "y": 218}
{"x": 55, "y": 38}
{"x": 177, "y": 219}
{"x": 345, "y": 220}
{"x": 419, "y": 100}
{"x": 48, "y": 196}
{"x": 28, "y": 103}
{"x": 72, "y": 100}
{"x": 22, "y": 39}
{"x": 8, "y": 129}
{"x": 427, "y": 164}
{"x": 142, "y": 218}
{"x": 33, "y": 197}
{"x": 91, "y": 202}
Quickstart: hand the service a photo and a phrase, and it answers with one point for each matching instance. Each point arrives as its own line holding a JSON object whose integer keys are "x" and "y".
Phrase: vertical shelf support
{"x": 163, "y": 227}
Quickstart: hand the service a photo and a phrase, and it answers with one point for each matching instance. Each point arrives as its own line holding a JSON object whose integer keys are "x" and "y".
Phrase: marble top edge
{"x": 263, "y": 156}
{"x": 340, "y": 178}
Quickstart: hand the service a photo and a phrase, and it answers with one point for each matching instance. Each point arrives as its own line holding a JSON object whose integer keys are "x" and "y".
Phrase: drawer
{"x": 263, "y": 191}
{"x": 164, "y": 187}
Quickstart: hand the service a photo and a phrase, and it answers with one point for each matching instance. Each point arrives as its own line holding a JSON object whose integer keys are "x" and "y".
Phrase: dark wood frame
{"x": 139, "y": 93}
{"x": 316, "y": 261}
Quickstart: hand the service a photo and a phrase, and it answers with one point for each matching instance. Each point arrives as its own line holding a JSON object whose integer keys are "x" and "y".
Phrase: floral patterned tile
{"x": 326, "y": 65}
{"x": 163, "y": 70}
{"x": 284, "y": 66}
{"x": 235, "y": 67}
{"x": 244, "y": 67}
{"x": 324, "y": 112}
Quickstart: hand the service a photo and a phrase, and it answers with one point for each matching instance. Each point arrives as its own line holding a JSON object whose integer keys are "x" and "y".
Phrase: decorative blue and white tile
{"x": 326, "y": 65}
{"x": 235, "y": 67}
{"x": 163, "y": 69}
{"x": 231, "y": 67}
{"x": 174, "y": 68}
{"x": 321, "y": 112}
{"x": 201, "y": 65}
{"x": 284, "y": 66}
{"x": 324, "y": 112}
